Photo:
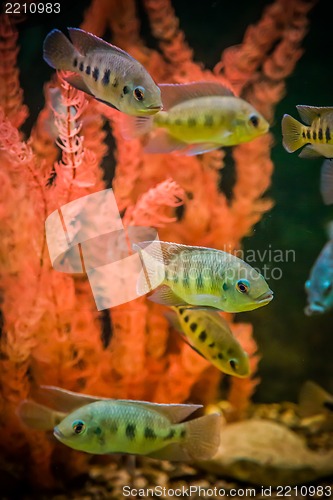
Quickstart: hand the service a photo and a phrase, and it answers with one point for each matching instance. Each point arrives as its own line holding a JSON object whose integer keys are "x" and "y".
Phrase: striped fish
{"x": 208, "y": 333}
{"x": 104, "y": 71}
{"x": 317, "y": 132}
{"x": 181, "y": 275}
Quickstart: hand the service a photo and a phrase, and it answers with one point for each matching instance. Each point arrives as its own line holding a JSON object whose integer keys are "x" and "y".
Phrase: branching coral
{"x": 52, "y": 333}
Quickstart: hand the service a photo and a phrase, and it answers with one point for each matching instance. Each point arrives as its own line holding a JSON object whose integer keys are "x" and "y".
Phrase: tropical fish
{"x": 314, "y": 400}
{"x": 319, "y": 286}
{"x": 140, "y": 428}
{"x": 208, "y": 333}
{"x": 104, "y": 71}
{"x": 317, "y": 132}
{"x": 183, "y": 275}
{"x": 197, "y": 117}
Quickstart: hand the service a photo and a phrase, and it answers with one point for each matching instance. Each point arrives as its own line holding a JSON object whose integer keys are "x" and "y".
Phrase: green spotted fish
{"x": 317, "y": 132}
{"x": 104, "y": 71}
{"x": 208, "y": 333}
{"x": 182, "y": 275}
{"x": 197, "y": 117}
{"x": 140, "y": 428}
{"x": 101, "y": 425}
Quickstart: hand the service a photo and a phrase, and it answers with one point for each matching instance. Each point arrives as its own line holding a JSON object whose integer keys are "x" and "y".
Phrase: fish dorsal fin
{"x": 174, "y": 412}
{"x": 86, "y": 42}
{"x": 312, "y": 399}
{"x": 64, "y": 400}
{"x": 175, "y": 93}
{"x": 309, "y": 152}
{"x": 310, "y": 113}
{"x": 163, "y": 251}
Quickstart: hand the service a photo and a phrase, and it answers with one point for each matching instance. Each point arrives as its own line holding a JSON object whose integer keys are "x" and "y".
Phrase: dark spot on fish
{"x": 186, "y": 318}
{"x": 88, "y": 69}
{"x": 193, "y": 326}
{"x": 308, "y": 134}
{"x": 320, "y": 134}
{"x": 115, "y": 83}
{"x": 203, "y": 336}
{"x": 225, "y": 287}
{"x": 113, "y": 427}
{"x": 327, "y": 134}
{"x": 191, "y": 122}
{"x": 95, "y": 74}
{"x": 130, "y": 431}
{"x": 178, "y": 121}
{"x": 170, "y": 435}
{"x": 150, "y": 433}
{"x": 106, "y": 77}
{"x": 314, "y": 135}
{"x": 199, "y": 282}
{"x": 209, "y": 122}
{"x": 303, "y": 134}
{"x": 81, "y": 66}
{"x": 220, "y": 355}
{"x": 181, "y": 310}
{"x": 126, "y": 90}
{"x": 232, "y": 363}
{"x": 183, "y": 433}
{"x": 75, "y": 62}
{"x": 212, "y": 344}
{"x": 98, "y": 431}
{"x": 328, "y": 405}
{"x": 186, "y": 279}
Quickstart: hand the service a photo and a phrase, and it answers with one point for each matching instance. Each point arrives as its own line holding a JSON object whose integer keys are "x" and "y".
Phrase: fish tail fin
{"x": 313, "y": 399}
{"x": 203, "y": 436}
{"x": 292, "y": 133}
{"x": 132, "y": 127}
{"x": 153, "y": 269}
{"x": 58, "y": 51}
{"x": 37, "y": 416}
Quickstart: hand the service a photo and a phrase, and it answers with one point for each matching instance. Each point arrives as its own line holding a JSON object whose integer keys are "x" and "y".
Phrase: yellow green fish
{"x": 208, "y": 333}
{"x": 197, "y": 117}
{"x": 181, "y": 275}
{"x": 317, "y": 132}
{"x": 104, "y": 71}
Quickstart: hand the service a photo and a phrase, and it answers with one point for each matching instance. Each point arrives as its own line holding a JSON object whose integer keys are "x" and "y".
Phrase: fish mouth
{"x": 314, "y": 309}
{"x": 57, "y": 433}
{"x": 265, "y": 298}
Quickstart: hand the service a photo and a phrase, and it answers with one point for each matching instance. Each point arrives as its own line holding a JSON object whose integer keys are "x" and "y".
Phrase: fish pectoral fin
{"x": 309, "y": 152}
{"x": 310, "y": 113}
{"x": 174, "y": 412}
{"x": 165, "y": 296}
{"x": 326, "y": 182}
{"x": 176, "y": 93}
{"x": 86, "y": 42}
{"x": 199, "y": 149}
{"x": 107, "y": 103}
{"x": 173, "y": 452}
{"x": 172, "y": 318}
{"x": 77, "y": 82}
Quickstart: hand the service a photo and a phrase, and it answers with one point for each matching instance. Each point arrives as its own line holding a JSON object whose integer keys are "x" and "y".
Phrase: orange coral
{"x": 52, "y": 333}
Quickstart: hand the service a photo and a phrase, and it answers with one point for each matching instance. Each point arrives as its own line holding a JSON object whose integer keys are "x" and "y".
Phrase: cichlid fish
{"x": 197, "y": 117}
{"x": 187, "y": 275}
{"x": 317, "y": 133}
{"x": 104, "y": 71}
{"x": 140, "y": 428}
{"x": 208, "y": 333}
{"x": 316, "y": 406}
{"x": 319, "y": 286}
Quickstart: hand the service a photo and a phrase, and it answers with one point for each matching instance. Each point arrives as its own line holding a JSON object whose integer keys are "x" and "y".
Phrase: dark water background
{"x": 293, "y": 347}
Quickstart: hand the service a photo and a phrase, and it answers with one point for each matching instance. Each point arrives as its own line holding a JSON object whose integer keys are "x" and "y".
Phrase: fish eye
{"x": 242, "y": 286}
{"x": 254, "y": 120}
{"x": 78, "y": 426}
{"x": 328, "y": 287}
{"x": 233, "y": 364}
{"x": 139, "y": 93}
